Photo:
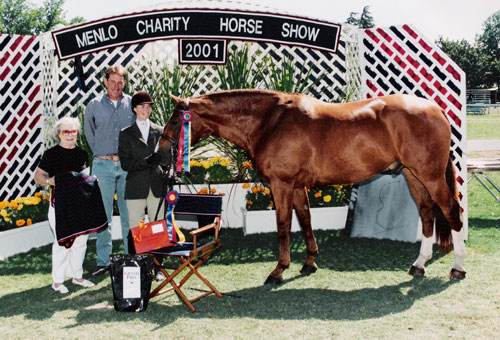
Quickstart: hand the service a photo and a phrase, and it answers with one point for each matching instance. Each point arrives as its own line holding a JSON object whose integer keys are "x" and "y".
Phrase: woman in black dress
{"x": 60, "y": 159}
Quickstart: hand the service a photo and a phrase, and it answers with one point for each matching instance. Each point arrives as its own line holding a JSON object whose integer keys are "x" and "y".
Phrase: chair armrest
{"x": 203, "y": 229}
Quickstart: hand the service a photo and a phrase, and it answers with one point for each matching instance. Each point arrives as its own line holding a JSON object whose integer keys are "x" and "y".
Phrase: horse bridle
{"x": 169, "y": 180}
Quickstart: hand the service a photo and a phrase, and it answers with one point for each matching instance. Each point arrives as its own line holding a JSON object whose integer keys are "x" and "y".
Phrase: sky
{"x": 452, "y": 19}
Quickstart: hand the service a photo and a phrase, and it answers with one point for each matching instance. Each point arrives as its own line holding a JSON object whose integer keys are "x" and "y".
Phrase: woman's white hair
{"x": 66, "y": 121}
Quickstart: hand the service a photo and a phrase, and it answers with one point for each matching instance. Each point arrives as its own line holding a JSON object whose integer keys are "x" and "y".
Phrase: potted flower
{"x": 23, "y": 224}
{"x": 329, "y": 205}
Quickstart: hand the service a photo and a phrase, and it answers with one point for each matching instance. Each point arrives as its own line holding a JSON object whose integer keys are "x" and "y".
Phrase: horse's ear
{"x": 176, "y": 100}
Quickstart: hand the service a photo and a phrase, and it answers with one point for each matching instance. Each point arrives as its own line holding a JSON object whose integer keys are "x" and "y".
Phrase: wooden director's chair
{"x": 192, "y": 255}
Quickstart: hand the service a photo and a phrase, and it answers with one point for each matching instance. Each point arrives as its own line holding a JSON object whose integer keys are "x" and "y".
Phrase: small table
{"x": 477, "y": 168}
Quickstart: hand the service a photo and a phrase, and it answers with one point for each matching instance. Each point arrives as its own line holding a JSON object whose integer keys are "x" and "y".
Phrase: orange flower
{"x": 317, "y": 194}
{"x": 213, "y": 190}
{"x": 20, "y": 222}
{"x": 203, "y": 191}
{"x": 38, "y": 194}
{"x": 247, "y": 165}
{"x": 245, "y": 185}
{"x": 29, "y": 221}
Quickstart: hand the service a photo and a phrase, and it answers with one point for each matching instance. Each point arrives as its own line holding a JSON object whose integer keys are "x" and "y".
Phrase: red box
{"x": 150, "y": 236}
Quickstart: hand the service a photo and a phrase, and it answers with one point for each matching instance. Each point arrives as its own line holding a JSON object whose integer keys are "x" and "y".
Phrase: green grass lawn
{"x": 360, "y": 291}
{"x": 483, "y": 126}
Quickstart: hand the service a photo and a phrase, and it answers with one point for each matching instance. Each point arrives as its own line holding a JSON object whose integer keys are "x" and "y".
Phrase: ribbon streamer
{"x": 184, "y": 147}
{"x": 174, "y": 232}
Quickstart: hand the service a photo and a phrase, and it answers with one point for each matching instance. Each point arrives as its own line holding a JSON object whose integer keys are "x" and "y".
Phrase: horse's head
{"x": 199, "y": 129}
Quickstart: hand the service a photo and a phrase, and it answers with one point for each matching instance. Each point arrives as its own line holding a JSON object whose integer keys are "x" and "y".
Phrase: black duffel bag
{"x": 131, "y": 277}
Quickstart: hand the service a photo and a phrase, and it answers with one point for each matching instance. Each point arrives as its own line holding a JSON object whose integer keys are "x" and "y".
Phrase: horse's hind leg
{"x": 447, "y": 217}
{"x": 424, "y": 205}
{"x": 301, "y": 206}
{"x": 458, "y": 270}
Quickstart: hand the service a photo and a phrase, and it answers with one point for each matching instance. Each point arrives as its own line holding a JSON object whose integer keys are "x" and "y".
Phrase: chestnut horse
{"x": 296, "y": 141}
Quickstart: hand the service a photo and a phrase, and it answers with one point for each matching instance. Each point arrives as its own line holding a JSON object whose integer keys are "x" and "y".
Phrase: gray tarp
{"x": 385, "y": 209}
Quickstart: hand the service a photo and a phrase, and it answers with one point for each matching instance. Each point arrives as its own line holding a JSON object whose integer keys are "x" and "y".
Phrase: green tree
{"x": 21, "y": 17}
{"x": 470, "y": 59}
{"x": 363, "y": 20}
{"x": 481, "y": 60}
{"x": 489, "y": 43}
{"x": 17, "y": 17}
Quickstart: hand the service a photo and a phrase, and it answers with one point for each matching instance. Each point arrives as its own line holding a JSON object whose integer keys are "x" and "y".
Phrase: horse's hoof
{"x": 308, "y": 269}
{"x": 456, "y": 274}
{"x": 273, "y": 280}
{"x": 416, "y": 271}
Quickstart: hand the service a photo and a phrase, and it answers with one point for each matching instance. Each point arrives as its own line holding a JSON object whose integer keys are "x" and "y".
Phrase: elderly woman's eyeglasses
{"x": 69, "y": 132}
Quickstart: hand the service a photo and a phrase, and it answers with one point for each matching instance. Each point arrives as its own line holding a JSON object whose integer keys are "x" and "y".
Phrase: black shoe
{"x": 100, "y": 270}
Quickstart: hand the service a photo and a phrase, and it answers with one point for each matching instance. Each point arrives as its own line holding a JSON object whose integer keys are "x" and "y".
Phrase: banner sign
{"x": 195, "y": 23}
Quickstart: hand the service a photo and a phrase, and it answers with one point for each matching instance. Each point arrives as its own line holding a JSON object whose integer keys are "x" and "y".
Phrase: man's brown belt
{"x": 114, "y": 158}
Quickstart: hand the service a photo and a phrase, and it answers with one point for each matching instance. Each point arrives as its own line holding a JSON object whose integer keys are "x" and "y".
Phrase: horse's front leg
{"x": 302, "y": 209}
{"x": 282, "y": 194}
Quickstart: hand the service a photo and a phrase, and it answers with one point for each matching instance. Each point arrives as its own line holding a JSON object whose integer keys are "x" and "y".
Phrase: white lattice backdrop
{"x": 20, "y": 113}
{"x": 385, "y": 61}
{"x": 401, "y": 60}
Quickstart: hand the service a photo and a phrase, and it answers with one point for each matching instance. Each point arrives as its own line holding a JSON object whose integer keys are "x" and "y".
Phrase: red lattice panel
{"x": 20, "y": 114}
{"x": 401, "y": 60}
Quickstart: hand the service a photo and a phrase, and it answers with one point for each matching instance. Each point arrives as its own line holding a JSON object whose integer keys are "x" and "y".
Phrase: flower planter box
{"x": 20, "y": 240}
{"x": 263, "y": 221}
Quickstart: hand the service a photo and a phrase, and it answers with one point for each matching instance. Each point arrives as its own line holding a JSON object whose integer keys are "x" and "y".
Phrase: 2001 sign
{"x": 202, "y": 51}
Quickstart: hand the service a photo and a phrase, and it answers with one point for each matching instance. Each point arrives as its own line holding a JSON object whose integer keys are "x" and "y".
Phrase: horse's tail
{"x": 443, "y": 226}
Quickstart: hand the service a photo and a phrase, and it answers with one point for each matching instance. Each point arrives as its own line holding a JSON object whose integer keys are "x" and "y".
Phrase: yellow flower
{"x": 224, "y": 162}
{"x": 267, "y": 191}
{"x": 206, "y": 164}
{"x": 6, "y": 219}
{"x": 115, "y": 197}
{"x": 4, "y": 213}
{"x": 246, "y": 185}
{"x": 327, "y": 198}
{"x": 13, "y": 204}
{"x": 4, "y": 204}
{"x": 20, "y": 222}
{"x": 195, "y": 163}
{"x": 255, "y": 188}
{"x": 20, "y": 206}
{"x": 46, "y": 197}
{"x": 38, "y": 194}
{"x": 29, "y": 221}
